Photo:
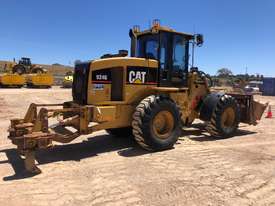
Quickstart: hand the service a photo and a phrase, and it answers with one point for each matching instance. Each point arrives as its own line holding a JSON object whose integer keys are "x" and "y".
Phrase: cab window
{"x": 179, "y": 59}
{"x": 163, "y": 56}
{"x": 179, "y": 51}
{"x": 147, "y": 46}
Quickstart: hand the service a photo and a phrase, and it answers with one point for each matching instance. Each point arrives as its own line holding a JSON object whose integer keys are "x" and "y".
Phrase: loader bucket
{"x": 251, "y": 110}
{"x": 258, "y": 109}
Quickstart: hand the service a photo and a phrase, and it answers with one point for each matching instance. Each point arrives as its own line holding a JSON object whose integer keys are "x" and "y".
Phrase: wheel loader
{"x": 25, "y": 66}
{"x": 149, "y": 95}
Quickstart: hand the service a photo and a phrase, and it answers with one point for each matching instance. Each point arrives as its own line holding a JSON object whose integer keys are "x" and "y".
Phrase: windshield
{"x": 147, "y": 46}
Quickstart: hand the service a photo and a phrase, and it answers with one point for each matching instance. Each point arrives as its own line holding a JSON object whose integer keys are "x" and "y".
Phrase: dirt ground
{"x": 103, "y": 170}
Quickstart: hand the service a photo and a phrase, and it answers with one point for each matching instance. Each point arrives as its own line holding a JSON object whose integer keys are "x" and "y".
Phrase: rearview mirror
{"x": 131, "y": 34}
{"x": 199, "y": 39}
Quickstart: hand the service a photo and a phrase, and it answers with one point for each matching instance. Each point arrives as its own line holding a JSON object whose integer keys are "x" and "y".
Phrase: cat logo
{"x": 137, "y": 77}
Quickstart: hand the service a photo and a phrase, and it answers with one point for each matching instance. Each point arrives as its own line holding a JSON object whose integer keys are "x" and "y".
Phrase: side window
{"x": 151, "y": 49}
{"x": 179, "y": 48}
{"x": 147, "y": 46}
{"x": 162, "y": 59}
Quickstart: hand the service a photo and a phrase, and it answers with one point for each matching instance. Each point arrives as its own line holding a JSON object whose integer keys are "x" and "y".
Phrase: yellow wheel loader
{"x": 25, "y": 66}
{"x": 149, "y": 95}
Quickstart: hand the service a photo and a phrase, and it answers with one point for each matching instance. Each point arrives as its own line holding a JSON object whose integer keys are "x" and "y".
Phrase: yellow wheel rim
{"x": 163, "y": 124}
{"x": 228, "y": 118}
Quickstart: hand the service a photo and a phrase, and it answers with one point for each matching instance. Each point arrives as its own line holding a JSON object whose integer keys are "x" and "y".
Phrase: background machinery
{"x": 25, "y": 66}
{"x": 68, "y": 80}
{"x": 8, "y": 79}
{"x": 24, "y": 72}
{"x": 149, "y": 95}
{"x": 35, "y": 75}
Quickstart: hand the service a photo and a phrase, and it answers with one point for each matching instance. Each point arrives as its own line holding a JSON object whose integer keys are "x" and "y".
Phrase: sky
{"x": 238, "y": 34}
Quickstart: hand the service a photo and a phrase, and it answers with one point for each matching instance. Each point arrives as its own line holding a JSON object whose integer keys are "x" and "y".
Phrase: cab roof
{"x": 157, "y": 29}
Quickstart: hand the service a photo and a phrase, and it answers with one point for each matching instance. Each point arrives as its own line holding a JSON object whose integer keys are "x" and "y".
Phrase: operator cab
{"x": 168, "y": 47}
{"x": 25, "y": 61}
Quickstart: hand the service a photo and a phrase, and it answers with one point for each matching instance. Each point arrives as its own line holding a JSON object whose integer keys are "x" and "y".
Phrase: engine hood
{"x": 123, "y": 62}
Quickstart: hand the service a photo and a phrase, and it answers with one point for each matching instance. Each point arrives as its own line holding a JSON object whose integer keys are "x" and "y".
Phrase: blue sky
{"x": 238, "y": 33}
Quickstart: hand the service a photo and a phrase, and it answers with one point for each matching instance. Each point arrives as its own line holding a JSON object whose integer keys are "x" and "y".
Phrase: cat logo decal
{"x": 137, "y": 77}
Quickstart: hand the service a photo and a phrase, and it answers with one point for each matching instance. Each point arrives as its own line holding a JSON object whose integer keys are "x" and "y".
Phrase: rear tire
{"x": 121, "y": 132}
{"x": 225, "y": 118}
{"x": 19, "y": 69}
{"x": 156, "y": 123}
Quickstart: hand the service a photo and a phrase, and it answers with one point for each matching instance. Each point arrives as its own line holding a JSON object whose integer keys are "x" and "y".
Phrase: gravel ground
{"x": 103, "y": 170}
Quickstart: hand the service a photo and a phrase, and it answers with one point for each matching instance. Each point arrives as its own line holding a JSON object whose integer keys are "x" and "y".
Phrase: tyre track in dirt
{"x": 193, "y": 172}
{"x": 171, "y": 174}
{"x": 258, "y": 191}
{"x": 113, "y": 185}
{"x": 199, "y": 171}
{"x": 103, "y": 183}
{"x": 193, "y": 168}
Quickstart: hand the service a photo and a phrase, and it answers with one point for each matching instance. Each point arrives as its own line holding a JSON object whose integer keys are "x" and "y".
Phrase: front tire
{"x": 225, "y": 118}
{"x": 19, "y": 69}
{"x": 156, "y": 123}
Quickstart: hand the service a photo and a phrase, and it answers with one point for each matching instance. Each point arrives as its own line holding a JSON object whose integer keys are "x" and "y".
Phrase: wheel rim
{"x": 19, "y": 71}
{"x": 228, "y": 118}
{"x": 163, "y": 124}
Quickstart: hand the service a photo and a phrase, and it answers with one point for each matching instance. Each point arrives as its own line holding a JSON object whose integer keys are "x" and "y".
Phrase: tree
{"x": 224, "y": 72}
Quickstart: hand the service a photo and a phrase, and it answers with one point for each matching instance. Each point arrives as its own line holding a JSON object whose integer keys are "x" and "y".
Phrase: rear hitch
{"x": 33, "y": 132}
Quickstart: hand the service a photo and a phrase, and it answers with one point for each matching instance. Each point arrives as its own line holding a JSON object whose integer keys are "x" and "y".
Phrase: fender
{"x": 208, "y": 105}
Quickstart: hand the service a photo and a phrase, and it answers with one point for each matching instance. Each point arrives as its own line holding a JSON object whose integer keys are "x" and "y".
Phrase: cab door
{"x": 179, "y": 55}
{"x": 173, "y": 60}
{"x": 164, "y": 59}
